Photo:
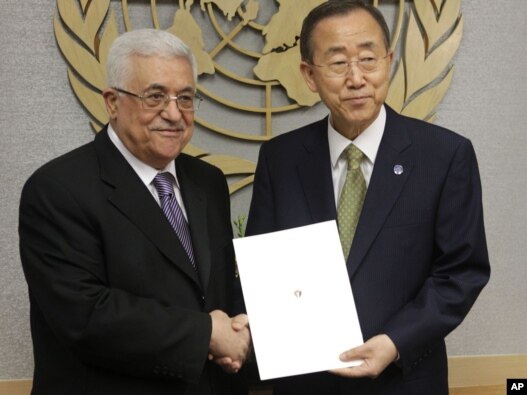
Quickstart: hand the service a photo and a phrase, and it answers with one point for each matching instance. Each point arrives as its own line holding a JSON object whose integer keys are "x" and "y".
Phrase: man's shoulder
{"x": 198, "y": 166}
{"x": 72, "y": 171}
{"x": 205, "y": 176}
{"x": 421, "y": 129}
{"x": 299, "y": 136}
{"x": 72, "y": 164}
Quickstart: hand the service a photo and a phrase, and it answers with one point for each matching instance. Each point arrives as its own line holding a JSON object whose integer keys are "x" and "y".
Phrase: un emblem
{"x": 248, "y": 60}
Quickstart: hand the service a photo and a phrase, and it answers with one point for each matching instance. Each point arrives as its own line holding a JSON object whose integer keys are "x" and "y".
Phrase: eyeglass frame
{"x": 349, "y": 64}
{"x": 195, "y": 99}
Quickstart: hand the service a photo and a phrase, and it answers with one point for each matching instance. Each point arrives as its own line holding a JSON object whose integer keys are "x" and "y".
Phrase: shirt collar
{"x": 368, "y": 141}
{"x": 145, "y": 172}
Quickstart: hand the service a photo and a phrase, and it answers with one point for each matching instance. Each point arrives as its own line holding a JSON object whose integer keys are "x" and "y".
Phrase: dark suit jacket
{"x": 419, "y": 257}
{"x": 116, "y": 307}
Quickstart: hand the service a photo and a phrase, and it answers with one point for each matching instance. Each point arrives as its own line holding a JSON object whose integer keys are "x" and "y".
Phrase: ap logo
{"x": 516, "y": 386}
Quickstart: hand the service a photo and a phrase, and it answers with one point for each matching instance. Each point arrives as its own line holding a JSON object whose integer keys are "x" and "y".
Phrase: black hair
{"x": 336, "y": 8}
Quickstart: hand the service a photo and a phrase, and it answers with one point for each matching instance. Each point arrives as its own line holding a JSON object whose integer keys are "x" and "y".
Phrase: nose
{"x": 171, "y": 112}
{"x": 355, "y": 77}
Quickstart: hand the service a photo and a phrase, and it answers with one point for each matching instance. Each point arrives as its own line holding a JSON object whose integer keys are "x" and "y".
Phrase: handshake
{"x": 230, "y": 341}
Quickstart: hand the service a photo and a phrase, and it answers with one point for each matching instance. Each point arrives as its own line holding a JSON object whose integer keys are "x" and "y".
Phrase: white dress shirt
{"x": 146, "y": 172}
{"x": 368, "y": 142}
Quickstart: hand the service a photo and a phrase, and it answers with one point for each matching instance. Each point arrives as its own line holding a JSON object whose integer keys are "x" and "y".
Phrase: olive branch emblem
{"x": 424, "y": 72}
{"x": 85, "y": 29}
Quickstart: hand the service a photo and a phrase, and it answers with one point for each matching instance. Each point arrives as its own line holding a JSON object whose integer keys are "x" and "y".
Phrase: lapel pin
{"x": 398, "y": 169}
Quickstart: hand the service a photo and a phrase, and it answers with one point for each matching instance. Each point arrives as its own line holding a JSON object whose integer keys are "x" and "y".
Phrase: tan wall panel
{"x": 468, "y": 375}
{"x": 15, "y": 387}
{"x": 480, "y": 390}
{"x": 485, "y": 370}
{"x": 23, "y": 387}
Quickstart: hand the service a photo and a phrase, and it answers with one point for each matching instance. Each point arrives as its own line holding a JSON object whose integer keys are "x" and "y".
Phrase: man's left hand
{"x": 376, "y": 354}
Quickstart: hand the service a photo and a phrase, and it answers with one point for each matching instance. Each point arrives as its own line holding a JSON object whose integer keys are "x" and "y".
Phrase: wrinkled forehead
{"x": 159, "y": 71}
{"x": 359, "y": 46}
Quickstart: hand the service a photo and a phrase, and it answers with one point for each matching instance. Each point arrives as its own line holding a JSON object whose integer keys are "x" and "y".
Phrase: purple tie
{"x": 164, "y": 184}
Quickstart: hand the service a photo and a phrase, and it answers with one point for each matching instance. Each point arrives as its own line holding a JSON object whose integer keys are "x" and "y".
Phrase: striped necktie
{"x": 164, "y": 184}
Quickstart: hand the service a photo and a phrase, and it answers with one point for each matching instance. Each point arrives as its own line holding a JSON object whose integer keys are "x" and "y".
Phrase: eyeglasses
{"x": 158, "y": 100}
{"x": 342, "y": 68}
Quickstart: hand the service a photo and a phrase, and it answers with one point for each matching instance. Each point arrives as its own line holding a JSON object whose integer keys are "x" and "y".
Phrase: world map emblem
{"x": 248, "y": 62}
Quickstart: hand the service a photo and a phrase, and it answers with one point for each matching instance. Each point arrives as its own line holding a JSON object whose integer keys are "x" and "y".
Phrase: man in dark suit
{"x": 418, "y": 258}
{"x": 128, "y": 297}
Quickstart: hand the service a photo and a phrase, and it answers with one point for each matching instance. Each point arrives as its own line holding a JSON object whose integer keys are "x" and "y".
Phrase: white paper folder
{"x": 299, "y": 301}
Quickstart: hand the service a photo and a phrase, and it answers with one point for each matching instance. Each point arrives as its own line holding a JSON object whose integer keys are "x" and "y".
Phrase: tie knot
{"x": 164, "y": 184}
{"x": 354, "y": 156}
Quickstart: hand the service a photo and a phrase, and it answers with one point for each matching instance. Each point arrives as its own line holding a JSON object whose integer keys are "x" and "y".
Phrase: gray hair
{"x": 144, "y": 42}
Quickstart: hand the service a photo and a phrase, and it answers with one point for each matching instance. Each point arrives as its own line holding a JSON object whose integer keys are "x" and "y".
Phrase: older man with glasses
{"x": 407, "y": 199}
{"x": 126, "y": 244}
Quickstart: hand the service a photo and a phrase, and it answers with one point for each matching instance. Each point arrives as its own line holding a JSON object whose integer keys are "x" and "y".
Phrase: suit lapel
{"x": 384, "y": 188}
{"x": 129, "y": 195}
{"x": 314, "y": 171}
{"x": 196, "y": 206}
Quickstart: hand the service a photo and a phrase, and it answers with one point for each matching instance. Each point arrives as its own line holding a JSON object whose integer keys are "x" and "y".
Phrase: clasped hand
{"x": 230, "y": 341}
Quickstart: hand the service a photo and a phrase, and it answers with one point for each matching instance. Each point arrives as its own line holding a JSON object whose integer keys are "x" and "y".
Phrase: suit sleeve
{"x": 64, "y": 262}
{"x": 460, "y": 268}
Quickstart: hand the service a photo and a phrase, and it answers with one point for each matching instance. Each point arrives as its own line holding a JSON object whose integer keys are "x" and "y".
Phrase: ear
{"x": 390, "y": 59}
{"x": 307, "y": 72}
{"x": 111, "y": 102}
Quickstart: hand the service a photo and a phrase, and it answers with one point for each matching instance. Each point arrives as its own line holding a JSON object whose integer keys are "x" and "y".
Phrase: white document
{"x": 299, "y": 301}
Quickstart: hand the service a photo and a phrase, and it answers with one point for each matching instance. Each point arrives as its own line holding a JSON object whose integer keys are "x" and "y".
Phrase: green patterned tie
{"x": 351, "y": 198}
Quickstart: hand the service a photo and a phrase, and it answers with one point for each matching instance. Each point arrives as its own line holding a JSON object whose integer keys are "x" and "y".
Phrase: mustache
{"x": 179, "y": 126}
